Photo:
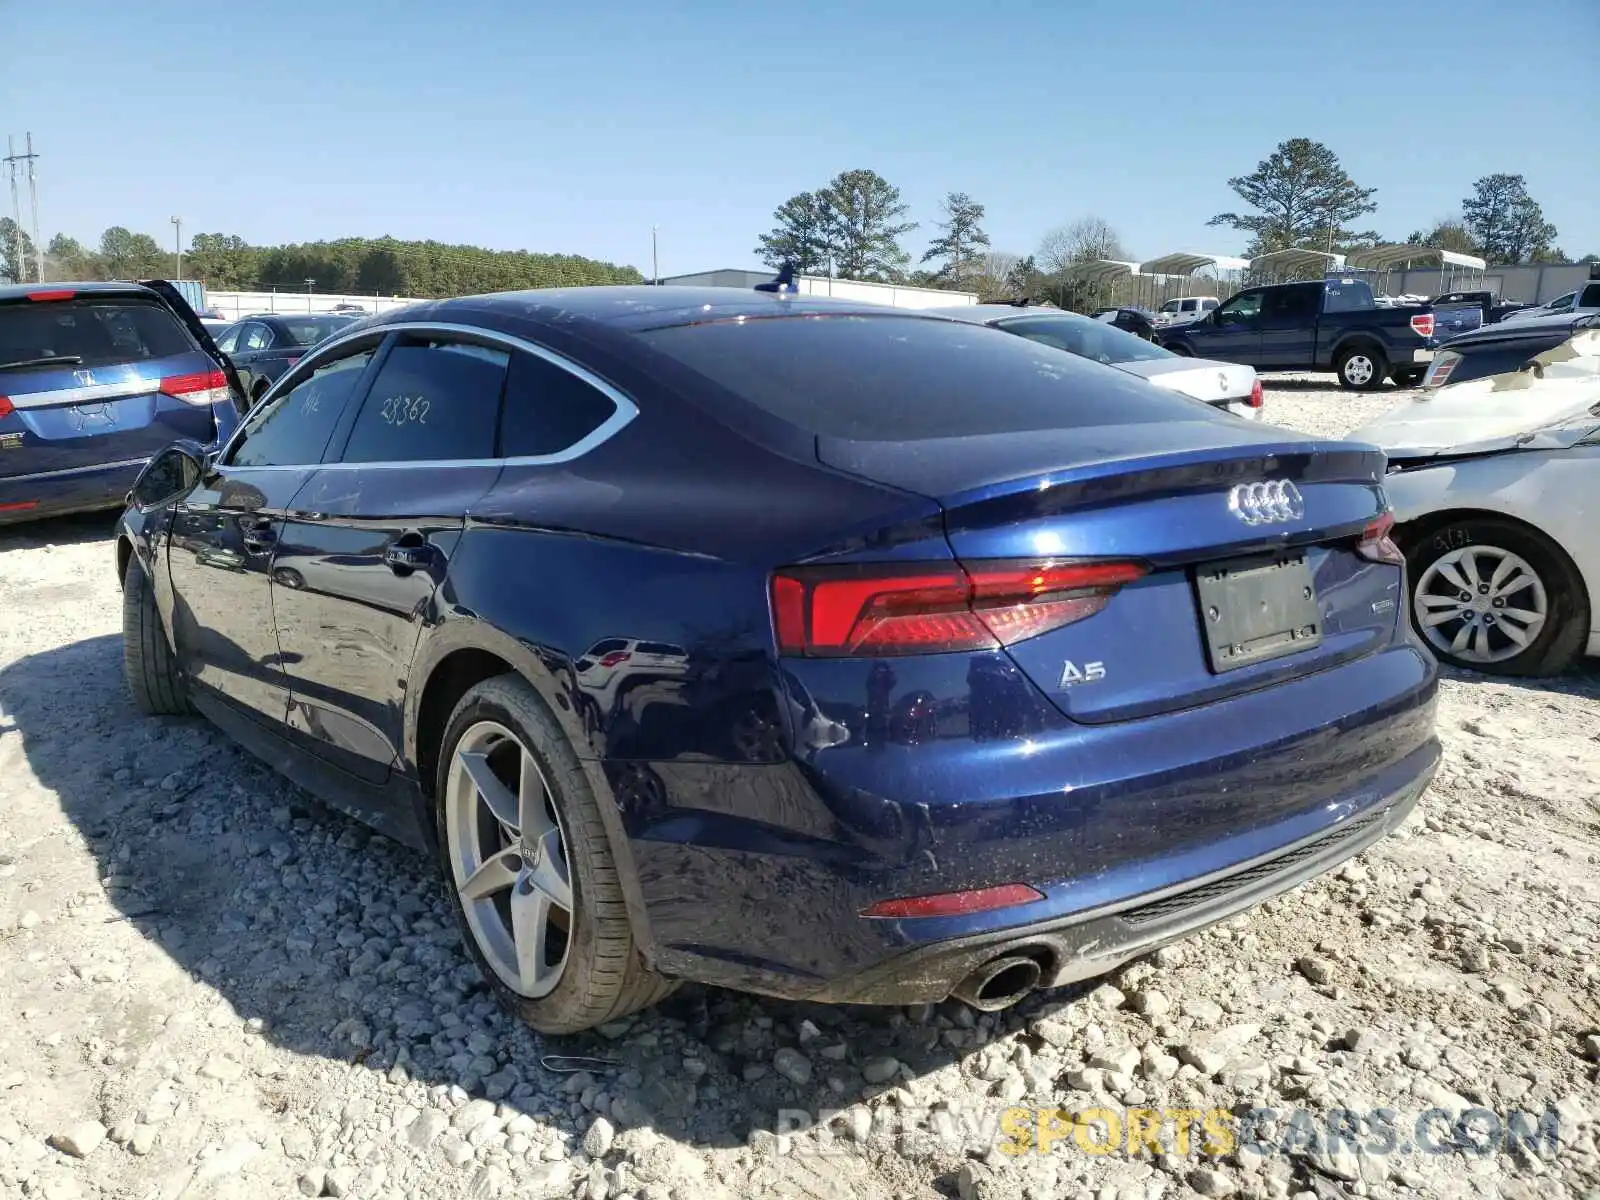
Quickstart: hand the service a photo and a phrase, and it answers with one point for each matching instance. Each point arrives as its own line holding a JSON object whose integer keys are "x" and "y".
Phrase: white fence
{"x": 233, "y": 305}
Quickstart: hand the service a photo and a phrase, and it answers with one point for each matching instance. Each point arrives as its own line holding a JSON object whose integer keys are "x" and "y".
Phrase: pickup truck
{"x": 1324, "y": 325}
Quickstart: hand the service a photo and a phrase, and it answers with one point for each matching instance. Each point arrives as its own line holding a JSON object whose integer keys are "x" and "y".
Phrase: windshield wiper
{"x": 50, "y": 360}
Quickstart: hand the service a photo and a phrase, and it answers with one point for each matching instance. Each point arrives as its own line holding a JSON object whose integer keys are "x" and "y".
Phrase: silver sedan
{"x": 1231, "y": 386}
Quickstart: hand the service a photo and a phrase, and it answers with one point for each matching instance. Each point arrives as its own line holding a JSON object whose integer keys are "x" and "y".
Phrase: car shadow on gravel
{"x": 1270, "y": 383}
{"x": 75, "y": 530}
{"x": 341, "y": 945}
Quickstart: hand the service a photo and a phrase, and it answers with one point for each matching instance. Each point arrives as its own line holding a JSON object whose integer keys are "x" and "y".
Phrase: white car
{"x": 1185, "y": 308}
{"x": 1585, "y": 300}
{"x": 1495, "y": 486}
{"x": 1230, "y": 386}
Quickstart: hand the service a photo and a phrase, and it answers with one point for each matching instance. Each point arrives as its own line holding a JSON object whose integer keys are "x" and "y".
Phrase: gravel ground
{"x": 214, "y": 987}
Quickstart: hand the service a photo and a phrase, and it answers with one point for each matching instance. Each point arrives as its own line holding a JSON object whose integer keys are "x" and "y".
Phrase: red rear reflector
{"x": 955, "y": 904}
{"x": 291, "y": 359}
{"x": 1256, "y": 399}
{"x": 6, "y": 407}
{"x": 203, "y": 387}
{"x": 18, "y": 505}
{"x": 59, "y": 294}
{"x": 1422, "y": 324}
{"x": 1378, "y": 544}
{"x": 929, "y": 608}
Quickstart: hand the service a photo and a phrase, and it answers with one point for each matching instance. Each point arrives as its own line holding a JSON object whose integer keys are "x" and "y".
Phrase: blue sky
{"x": 575, "y": 128}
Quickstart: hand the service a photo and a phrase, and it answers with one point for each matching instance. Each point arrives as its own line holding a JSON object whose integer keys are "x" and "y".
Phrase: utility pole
{"x": 177, "y": 247}
{"x": 16, "y": 213}
{"x": 655, "y": 259}
{"x": 33, "y": 198}
{"x": 309, "y": 282}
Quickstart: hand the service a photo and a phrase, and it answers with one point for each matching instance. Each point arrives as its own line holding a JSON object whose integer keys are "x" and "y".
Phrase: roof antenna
{"x": 784, "y": 284}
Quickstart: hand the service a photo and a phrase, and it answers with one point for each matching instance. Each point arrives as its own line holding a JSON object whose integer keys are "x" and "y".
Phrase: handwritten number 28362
{"x": 405, "y": 410}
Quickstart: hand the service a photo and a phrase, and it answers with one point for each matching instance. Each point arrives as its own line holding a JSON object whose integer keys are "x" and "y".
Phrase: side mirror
{"x": 170, "y": 474}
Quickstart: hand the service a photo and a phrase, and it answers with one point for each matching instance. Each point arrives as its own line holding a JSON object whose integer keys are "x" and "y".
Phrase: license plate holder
{"x": 1258, "y": 608}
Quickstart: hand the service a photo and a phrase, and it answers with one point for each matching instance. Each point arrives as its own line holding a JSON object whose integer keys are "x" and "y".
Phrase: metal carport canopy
{"x": 1105, "y": 268}
{"x": 1186, "y": 262}
{"x": 1394, "y": 254}
{"x": 1296, "y": 260}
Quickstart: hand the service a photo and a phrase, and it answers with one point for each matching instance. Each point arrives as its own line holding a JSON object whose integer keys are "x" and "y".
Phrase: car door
{"x": 1288, "y": 325}
{"x": 225, "y": 532}
{"x": 1232, "y": 333}
{"x": 369, "y": 540}
{"x": 252, "y": 339}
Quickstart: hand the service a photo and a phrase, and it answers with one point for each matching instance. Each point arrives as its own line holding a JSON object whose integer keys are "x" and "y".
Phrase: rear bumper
{"x": 754, "y": 877}
{"x": 1094, "y": 943}
{"x": 56, "y": 493}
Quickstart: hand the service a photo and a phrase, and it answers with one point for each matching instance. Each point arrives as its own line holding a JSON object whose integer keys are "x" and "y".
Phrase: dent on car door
{"x": 224, "y": 537}
{"x": 370, "y": 539}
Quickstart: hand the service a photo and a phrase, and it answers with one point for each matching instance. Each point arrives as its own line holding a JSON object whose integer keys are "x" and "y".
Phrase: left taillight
{"x": 201, "y": 389}
{"x": 6, "y": 407}
{"x": 930, "y": 608}
{"x": 1422, "y": 325}
{"x": 1256, "y": 399}
{"x": 1377, "y": 542}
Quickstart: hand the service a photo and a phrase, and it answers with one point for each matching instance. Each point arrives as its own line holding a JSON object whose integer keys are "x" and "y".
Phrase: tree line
{"x": 361, "y": 266}
{"x": 1299, "y": 196}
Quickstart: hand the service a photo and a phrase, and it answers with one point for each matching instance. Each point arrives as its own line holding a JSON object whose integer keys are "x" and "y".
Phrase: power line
{"x": 12, "y": 159}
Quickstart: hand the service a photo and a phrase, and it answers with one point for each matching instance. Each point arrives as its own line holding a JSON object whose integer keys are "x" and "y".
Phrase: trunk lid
{"x": 1214, "y": 580}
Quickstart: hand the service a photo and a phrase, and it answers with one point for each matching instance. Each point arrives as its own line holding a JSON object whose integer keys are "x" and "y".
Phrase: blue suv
{"x": 94, "y": 379}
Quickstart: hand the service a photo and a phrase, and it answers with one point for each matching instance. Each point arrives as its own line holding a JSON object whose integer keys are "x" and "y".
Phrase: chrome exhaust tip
{"x": 999, "y": 983}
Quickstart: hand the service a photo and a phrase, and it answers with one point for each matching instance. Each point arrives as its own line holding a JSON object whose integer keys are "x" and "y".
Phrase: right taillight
{"x": 1439, "y": 371}
{"x": 931, "y": 608}
{"x": 1377, "y": 542}
{"x": 1256, "y": 399}
{"x": 200, "y": 389}
{"x": 6, "y": 407}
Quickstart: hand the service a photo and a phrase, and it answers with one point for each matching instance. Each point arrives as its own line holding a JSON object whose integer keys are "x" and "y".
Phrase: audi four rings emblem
{"x": 1266, "y": 503}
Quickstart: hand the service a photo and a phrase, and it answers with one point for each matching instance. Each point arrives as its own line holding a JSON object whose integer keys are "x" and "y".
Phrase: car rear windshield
{"x": 308, "y": 331}
{"x": 89, "y": 332}
{"x": 1087, "y": 338}
{"x": 901, "y": 378}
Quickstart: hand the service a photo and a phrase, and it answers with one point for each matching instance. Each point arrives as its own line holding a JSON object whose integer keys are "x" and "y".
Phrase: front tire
{"x": 1361, "y": 368}
{"x": 1496, "y": 596}
{"x": 529, "y": 868}
{"x": 148, "y": 663}
{"x": 1409, "y": 378}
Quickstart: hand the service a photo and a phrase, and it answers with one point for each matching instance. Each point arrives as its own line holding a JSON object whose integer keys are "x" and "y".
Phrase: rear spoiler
{"x": 174, "y": 299}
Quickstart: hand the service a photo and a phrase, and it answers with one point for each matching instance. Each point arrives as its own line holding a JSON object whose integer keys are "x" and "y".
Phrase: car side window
{"x": 254, "y": 336}
{"x": 548, "y": 409}
{"x": 433, "y": 399}
{"x": 229, "y": 341}
{"x": 1244, "y": 307}
{"x": 293, "y": 430}
{"x": 1291, "y": 303}
{"x": 1562, "y": 303}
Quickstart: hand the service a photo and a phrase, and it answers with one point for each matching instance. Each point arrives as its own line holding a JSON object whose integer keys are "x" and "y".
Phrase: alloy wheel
{"x": 1481, "y": 604}
{"x": 508, "y": 859}
{"x": 1358, "y": 370}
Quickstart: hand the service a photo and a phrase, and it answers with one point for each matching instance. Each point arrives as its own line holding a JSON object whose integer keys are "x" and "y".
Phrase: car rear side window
{"x": 548, "y": 408}
{"x": 901, "y": 378}
{"x": 293, "y": 429}
{"x": 91, "y": 332}
{"x": 432, "y": 400}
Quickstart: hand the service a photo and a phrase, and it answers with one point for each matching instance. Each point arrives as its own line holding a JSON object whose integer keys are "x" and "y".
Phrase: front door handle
{"x": 405, "y": 558}
{"x": 259, "y": 541}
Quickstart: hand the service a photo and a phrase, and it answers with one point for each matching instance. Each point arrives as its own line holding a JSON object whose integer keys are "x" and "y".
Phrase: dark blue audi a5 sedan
{"x": 814, "y": 649}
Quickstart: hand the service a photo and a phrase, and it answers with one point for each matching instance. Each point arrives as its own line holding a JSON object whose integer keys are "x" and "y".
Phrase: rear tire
{"x": 148, "y": 663}
{"x": 1361, "y": 368}
{"x": 1409, "y": 378}
{"x": 502, "y": 726}
{"x": 1471, "y": 551}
